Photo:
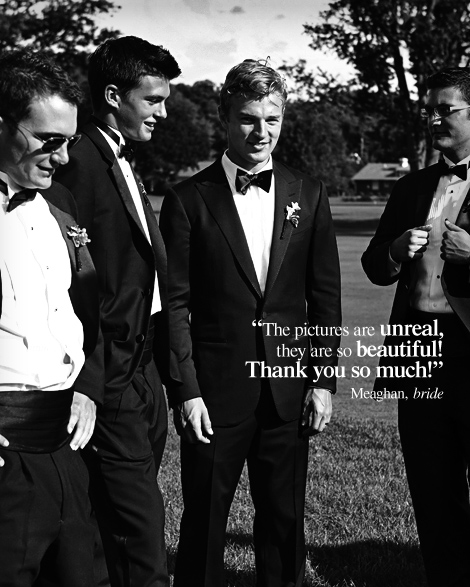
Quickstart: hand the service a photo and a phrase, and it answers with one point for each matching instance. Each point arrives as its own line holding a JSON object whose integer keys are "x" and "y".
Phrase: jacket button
{"x": 140, "y": 338}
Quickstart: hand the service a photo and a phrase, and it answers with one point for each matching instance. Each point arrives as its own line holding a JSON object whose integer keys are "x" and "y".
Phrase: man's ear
{"x": 112, "y": 96}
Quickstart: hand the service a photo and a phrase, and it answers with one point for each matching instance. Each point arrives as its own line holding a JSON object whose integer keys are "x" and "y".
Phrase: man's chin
{"x": 439, "y": 142}
{"x": 42, "y": 184}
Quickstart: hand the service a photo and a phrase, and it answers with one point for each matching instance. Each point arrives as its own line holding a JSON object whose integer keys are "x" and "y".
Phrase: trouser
{"x": 435, "y": 438}
{"x": 123, "y": 461}
{"x": 45, "y": 528}
{"x": 277, "y": 458}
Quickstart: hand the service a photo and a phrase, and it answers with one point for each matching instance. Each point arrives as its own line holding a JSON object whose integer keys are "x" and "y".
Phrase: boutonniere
{"x": 292, "y": 216}
{"x": 143, "y": 191}
{"x": 80, "y": 239}
{"x": 142, "y": 188}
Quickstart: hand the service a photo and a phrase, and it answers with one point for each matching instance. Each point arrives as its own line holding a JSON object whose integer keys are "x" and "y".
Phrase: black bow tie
{"x": 20, "y": 197}
{"x": 127, "y": 151}
{"x": 458, "y": 170}
{"x": 244, "y": 180}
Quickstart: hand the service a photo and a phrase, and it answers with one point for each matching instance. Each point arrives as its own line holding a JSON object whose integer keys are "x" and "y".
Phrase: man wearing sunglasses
{"x": 423, "y": 243}
{"x": 129, "y": 83}
{"x": 49, "y": 330}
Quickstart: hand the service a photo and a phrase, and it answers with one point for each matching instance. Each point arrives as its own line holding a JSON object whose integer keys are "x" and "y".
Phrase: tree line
{"x": 331, "y": 128}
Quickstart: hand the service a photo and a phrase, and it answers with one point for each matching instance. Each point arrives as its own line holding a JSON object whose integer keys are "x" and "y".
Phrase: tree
{"x": 395, "y": 45}
{"x": 312, "y": 140}
{"x": 205, "y": 94}
{"x": 66, "y": 28}
{"x": 181, "y": 140}
{"x": 359, "y": 126}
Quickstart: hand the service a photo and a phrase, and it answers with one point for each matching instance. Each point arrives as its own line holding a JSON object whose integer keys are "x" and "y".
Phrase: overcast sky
{"x": 208, "y": 37}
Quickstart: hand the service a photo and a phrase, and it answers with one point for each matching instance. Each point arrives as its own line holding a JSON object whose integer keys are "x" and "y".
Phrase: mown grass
{"x": 359, "y": 521}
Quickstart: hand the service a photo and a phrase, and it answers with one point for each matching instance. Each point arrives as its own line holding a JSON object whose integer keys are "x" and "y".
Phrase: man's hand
{"x": 3, "y": 442}
{"x": 317, "y": 410}
{"x": 82, "y": 419}
{"x": 455, "y": 244}
{"x": 192, "y": 421}
{"x": 411, "y": 244}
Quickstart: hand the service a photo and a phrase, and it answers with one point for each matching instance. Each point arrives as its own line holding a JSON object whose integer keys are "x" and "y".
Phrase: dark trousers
{"x": 45, "y": 529}
{"x": 435, "y": 438}
{"x": 277, "y": 467}
{"x": 123, "y": 461}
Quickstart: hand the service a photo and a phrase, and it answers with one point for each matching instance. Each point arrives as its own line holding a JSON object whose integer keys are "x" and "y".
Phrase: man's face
{"x": 140, "y": 110}
{"x": 21, "y": 155}
{"x": 451, "y": 133}
{"x": 253, "y": 128}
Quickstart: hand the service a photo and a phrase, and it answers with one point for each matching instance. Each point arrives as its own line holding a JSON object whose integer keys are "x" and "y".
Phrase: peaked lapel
{"x": 65, "y": 222}
{"x": 156, "y": 239}
{"x": 95, "y": 135}
{"x": 85, "y": 300}
{"x": 217, "y": 195}
{"x": 427, "y": 187}
{"x": 463, "y": 218}
{"x": 288, "y": 190}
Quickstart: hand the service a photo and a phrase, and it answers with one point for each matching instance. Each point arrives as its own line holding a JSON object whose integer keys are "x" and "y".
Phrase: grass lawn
{"x": 359, "y": 521}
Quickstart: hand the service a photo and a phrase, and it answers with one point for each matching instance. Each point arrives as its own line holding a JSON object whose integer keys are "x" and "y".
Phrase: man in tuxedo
{"x": 48, "y": 290}
{"x": 129, "y": 83}
{"x": 251, "y": 257}
{"x": 423, "y": 243}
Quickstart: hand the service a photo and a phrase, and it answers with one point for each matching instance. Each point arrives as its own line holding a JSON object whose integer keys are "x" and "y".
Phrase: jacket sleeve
{"x": 375, "y": 260}
{"x": 323, "y": 291}
{"x": 85, "y": 300}
{"x": 176, "y": 231}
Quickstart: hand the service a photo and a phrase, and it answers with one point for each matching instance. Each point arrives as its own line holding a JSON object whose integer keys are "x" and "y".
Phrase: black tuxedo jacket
{"x": 408, "y": 207}
{"x": 83, "y": 294}
{"x": 216, "y": 302}
{"x": 125, "y": 260}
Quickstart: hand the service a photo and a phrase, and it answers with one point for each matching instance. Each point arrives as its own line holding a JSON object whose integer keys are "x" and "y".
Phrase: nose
{"x": 60, "y": 156}
{"x": 261, "y": 129}
{"x": 160, "y": 110}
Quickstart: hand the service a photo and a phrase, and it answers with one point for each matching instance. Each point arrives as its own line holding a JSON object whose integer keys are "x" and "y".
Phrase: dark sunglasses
{"x": 52, "y": 144}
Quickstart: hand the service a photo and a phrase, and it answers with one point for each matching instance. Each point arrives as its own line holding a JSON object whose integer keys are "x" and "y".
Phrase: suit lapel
{"x": 426, "y": 189}
{"x": 463, "y": 219}
{"x": 65, "y": 222}
{"x": 288, "y": 190}
{"x": 154, "y": 232}
{"x": 218, "y": 198}
{"x": 123, "y": 189}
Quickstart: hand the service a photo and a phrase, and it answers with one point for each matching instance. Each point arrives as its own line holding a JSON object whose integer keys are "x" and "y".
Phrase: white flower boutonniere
{"x": 292, "y": 216}
{"x": 79, "y": 238}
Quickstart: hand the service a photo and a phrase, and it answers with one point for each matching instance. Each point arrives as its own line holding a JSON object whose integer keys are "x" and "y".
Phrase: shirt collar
{"x": 231, "y": 169}
{"x": 112, "y": 143}
{"x": 450, "y": 163}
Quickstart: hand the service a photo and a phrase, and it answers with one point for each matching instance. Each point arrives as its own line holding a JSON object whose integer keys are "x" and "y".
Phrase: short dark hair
{"x": 124, "y": 62}
{"x": 26, "y": 75}
{"x": 251, "y": 78}
{"x": 451, "y": 77}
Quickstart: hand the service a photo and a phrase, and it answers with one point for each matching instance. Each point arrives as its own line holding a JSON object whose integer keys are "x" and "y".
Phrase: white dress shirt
{"x": 41, "y": 339}
{"x": 256, "y": 212}
{"x": 137, "y": 199}
{"x": 427, "y": 294}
